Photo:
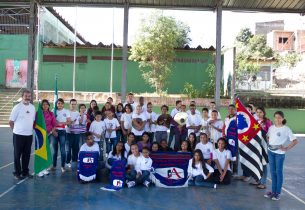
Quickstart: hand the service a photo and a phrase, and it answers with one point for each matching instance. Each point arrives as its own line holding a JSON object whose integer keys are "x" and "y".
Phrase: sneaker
{"x": 52, "y": 168}
{"x": 146, "y": 184}
{"x": 269, "y": 195}
{"x": 18, "y": 177}
{"x": 40, "y": 174}
{"x": 215, "y": 186}
{"x": 45, "y": 172}
{"x": 246, "y": 179}
{"x": 276, "y": 197}
{"x": 131, "y": 184}
{"x": 63, "y": 170}
{"x": 30, "y": 176}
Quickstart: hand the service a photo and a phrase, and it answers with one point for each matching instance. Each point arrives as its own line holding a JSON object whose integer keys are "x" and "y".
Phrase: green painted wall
{"x": 12, "y": 47}
{"x": 94, "y": 75}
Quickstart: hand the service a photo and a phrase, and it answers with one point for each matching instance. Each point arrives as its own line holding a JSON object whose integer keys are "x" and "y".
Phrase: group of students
{"x": 132, "y": 130}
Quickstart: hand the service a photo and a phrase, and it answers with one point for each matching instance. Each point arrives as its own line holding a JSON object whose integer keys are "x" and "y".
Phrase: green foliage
{"x": 154, "y": 48}
{"x": 229, "y": 85}
{"x": 290, "y": 60}
{"x": 244, "y": 35}
{"x": 257, "y": 48}
{"x": 190, "y": 90}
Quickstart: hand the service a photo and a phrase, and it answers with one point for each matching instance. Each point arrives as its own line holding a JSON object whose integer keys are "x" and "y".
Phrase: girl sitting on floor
{"x": 118, "y": 153}
{"x": 131, "y": 173}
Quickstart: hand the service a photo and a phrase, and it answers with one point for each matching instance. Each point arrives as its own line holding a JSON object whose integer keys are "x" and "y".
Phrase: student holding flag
{"x": 279, "y": 134}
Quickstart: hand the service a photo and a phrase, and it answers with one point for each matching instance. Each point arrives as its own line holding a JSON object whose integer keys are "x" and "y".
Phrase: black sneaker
{"x": 27, "y": 176}
{"x": 18, "y": 176}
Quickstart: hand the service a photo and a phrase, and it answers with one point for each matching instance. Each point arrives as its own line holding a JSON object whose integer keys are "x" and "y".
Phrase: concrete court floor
{"x": 59, "y": 191}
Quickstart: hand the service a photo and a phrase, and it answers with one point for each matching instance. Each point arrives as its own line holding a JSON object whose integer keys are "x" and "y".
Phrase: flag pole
{"x": 112, "y": 49}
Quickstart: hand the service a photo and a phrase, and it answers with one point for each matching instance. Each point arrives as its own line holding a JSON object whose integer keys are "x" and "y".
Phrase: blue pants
{"x": 119, "y": 136}
{"x": 72, "y": 146}
{"x": 131, "y": 175}
{"x": 264, "y": 177}
{"x": 160, "y": 135}
{"x": 171, "y": 135}
{"x": 110, "y": 142}
{"x": 201, "y": 182}
{"x": 61, "y": 140}
{"x": 144, "y": 177}
{"x": 276, "y": 164}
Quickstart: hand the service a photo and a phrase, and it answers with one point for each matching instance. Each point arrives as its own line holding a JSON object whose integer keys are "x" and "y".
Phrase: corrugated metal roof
{"x": 294, "y": 6}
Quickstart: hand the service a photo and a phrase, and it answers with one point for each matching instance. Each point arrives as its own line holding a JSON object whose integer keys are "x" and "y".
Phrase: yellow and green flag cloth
{"x": 43, "y": 157}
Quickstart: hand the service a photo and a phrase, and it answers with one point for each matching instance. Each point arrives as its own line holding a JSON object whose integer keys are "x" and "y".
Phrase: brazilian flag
{"x": 42, "y": 147}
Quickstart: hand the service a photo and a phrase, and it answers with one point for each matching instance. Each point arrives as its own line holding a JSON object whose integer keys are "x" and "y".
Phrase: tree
{"x": 244, "y": 35}
{"x": 290, "y": 60}
{"x": 154, "y": 48}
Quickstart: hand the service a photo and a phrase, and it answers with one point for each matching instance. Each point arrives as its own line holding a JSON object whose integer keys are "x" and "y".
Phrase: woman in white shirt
{"x": 126, "y": 121}
{"x": 131, "y": 172}
{"x": 62, "y": 120}
{"x": 118, "y": 153}
{"x": 200, "y": 173}
{"x": 222, "y": 159}
{"x": 278, "y": 134}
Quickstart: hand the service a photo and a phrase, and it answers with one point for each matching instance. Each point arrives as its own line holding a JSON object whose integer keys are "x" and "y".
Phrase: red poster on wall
{"x": 16, "y": 73}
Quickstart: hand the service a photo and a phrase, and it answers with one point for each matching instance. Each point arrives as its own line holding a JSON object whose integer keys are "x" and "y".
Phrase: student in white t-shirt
{"x": 281, "y": 139}
{"x": 131, "y": 172}
{"x": 126, "y": 121}
{"x": 215, "y": 127}
{"x": 73, "y": 134}
{"x": 222, "y": 158}
{"x": 200, "y": 173}
{"x": 163, "y": 124}
{"x": 138, "y": 123}
{"x": 143, "y": 167}
{"x": 118, "y": 153}
{"x": 150, "y": 126}
{"x": 213, "y": 107}
{"x": 63, "y": 119}
{"x": 130, "y": 100}
{"x": 196, "y": 110}
{"x": 111, "y": 125}
{"x": 193, "y": 123}
{"x": 90, "y": 145}
{"x": 142, "y": 104}
{"x": 206, "y": 148}
{"x": 97, "y": 128}
{"x": 205, "y": 121}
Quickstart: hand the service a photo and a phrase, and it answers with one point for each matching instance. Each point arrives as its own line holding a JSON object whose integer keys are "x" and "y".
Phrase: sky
{"x": 95, "y": 24}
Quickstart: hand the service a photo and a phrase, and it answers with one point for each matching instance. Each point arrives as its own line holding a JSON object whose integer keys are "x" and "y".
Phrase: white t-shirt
{"x": 23, "y": 117}
{"x": 133, "y": 105}
{"x": 153, "y": 116}
{"x": 215, "y": 134}
{"x": 279, "y": 136}
{"x": 113, "y": 123}
{"x": 222, "y": 157}
{"x": 143, "y": 164}
{"x": 74, "y": 115}
{"x": 93, "y": 148}
{"x": 127, "y": 119}
{"x": 193, "y": 120}
{"x": 196, "y": 112}
{"x": 62, "y": 116}
{"x": 142, "y": 117}
{"x": 98, "y": 128}
{"x": 127, "y": 148}
{"x": 218, "y": 116}
{"x": 206, "y": 149}
{"x": 132, "y": 160}
{"x": 204, "y": 128}
{"x": 198, "y": 170}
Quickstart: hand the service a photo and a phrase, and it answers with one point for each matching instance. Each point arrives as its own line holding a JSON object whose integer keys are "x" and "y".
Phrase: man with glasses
{"x": 21, "y": 122}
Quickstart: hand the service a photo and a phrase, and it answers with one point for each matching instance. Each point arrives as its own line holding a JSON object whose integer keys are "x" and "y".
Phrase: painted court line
{"x": 291, "y": 194}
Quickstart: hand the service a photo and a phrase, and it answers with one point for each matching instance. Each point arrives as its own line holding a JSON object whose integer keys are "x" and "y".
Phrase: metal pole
{"x": 218, "y": 52}
{"x": 125, "y": 51}
{"x": 74, "y": 53}
{"x": 31, "y": 45}
{"x": 37, "y": 51}
{"x": 112, "y": 48}
{"x": 233, "y": 87}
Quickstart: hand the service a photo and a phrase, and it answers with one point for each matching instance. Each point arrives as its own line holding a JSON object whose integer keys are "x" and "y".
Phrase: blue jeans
{"x": 144, "y": 177}
{"x": 264, "y": 177}
{"x": 110, "y": 142}
{"x": 72, "y": 146}
{"x": 276, "y": 164}
{"x": 151, "y": 137}
{"x": 131, "y": 175}
{"x": 200, "y": 182}
{"x": 160, "y": 135}
{"x": 61, "y": 140}
{"x": 119, "y": 136}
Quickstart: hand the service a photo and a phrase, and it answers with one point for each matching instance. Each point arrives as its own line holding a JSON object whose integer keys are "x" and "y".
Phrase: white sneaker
{"x": 215, "y": 186}
{"x": 40, "y": 174}
{"x": 63, "y": 170}
{"x": 45, "y": 172}
{"x": 131, "y": 184}
{"x": 68, "y": 165}
{"x": 146, "y": 183}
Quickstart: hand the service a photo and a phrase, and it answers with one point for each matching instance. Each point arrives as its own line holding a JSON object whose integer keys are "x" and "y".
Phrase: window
{"x": 283, "y": 40}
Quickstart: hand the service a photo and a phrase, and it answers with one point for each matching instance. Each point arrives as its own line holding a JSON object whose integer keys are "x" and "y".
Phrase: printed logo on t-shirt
{"x": 65, "y": 115}
{"x": 278, "y": 134}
